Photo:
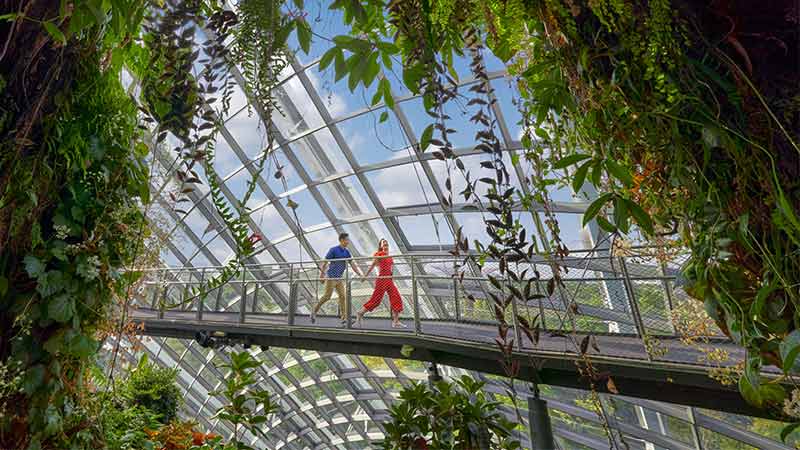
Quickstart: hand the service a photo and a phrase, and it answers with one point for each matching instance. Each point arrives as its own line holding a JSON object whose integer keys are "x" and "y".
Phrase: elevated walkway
{"x": 451, "y": 320}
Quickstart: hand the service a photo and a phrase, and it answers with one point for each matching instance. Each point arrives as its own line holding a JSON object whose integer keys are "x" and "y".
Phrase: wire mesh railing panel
{"x": 323, "y": 298}
{"x": 268, "y": 298}
{"x": 654, "y": 306}
{"x": 475, "y": 302}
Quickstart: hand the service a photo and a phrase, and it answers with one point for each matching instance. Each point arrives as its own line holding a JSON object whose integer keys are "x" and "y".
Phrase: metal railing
{"x": 627, "y": 296}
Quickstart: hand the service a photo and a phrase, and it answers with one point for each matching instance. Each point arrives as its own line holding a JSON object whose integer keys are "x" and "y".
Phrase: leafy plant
{"x": 447, "y": 416}
{"x": 128, "y": 428}
{"x": 153, "y": 388}
{"x": 248, "y": 407}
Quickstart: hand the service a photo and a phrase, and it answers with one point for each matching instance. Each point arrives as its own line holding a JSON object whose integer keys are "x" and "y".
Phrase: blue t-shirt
{"x": 336, "y": 268}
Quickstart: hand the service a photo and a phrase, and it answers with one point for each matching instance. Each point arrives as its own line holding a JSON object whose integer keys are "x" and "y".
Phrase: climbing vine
{"x": 684, "y": 116}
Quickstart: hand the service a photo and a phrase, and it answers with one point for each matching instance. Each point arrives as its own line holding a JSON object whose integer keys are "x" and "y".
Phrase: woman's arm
{"x": 374, "y": 262}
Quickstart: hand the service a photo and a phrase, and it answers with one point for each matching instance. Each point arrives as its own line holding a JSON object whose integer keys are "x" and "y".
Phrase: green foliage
{"x": 126, "y": 428}
{"x": 153, "y": 388}
{"x": 447, "y": 416}
{"x": 91, "y": 185}
{"x": 248, "y": 407}
{"x": 679, "y": 120}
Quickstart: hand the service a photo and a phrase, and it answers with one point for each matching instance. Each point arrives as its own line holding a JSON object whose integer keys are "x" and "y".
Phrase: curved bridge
{"x": 630, "y": 306}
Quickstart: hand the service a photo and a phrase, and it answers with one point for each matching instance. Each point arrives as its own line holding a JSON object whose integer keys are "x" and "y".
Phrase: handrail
{"x": 460, "y": 296}
{"x": 442, "y": 257}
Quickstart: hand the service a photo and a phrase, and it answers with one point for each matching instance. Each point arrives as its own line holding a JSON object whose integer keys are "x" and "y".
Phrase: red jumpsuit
{"x": 382, "y": 285}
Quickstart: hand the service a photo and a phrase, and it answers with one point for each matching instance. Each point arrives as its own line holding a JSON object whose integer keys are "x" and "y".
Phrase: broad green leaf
{"x": 621, "y": 215}
{"x": 372, "y": 70}
{"x": 376, "y": 98}
{"x": 619, "y": 172}
{"x": 595, "y": 206}
{"x": 605, "y": 225}
{"x": 384, "y": 117}
{"x": 386, "y": 88}
{"x": 328, "y": 57}
{"x": 749, "y": 392}
{"x": 304, "y": 35}
{"x": 49, "y": 283}
{"x": 790, "y": 348}
{"x": 761, "y": 297}
{"x": 33, "y": 266}
{"x": 642, "y": 218}
{"x": 425, "y": 140}
{"x": 61, "y": 308}
{"x": 580, "y": 176}
{"x": 567, "y": 161}
{"x": 340, "y": 66}
{"x": 358, "y": 65}
{"x": 54, "y": 32}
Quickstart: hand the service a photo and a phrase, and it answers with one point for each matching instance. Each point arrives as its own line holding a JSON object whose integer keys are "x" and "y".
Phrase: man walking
{"x": 335, "y": 263}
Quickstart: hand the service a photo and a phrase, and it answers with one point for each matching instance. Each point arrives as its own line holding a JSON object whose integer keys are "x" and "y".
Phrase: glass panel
{"x": 414, "y": 190}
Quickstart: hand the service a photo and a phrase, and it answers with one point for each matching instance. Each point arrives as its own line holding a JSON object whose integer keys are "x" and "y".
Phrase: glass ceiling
{"x": 349, "y": 173}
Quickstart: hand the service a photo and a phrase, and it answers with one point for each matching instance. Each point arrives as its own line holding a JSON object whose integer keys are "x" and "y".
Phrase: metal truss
{"x": 339, "y": 401}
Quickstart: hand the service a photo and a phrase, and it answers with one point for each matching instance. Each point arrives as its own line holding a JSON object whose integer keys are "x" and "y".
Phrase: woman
{"x": 383, "y": 284}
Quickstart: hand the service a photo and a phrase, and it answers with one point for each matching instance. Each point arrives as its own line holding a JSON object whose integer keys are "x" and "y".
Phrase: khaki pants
{"x": 330, "y": 285}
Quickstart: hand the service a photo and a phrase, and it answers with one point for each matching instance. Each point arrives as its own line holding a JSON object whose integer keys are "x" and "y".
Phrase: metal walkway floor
{"x": 677, "y": 376}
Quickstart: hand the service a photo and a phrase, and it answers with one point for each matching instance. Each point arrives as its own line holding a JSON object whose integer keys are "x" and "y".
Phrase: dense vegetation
{"x": 75, "y": 183}
{"x": 447, "y": 416}
{"x": 684, "y": 115}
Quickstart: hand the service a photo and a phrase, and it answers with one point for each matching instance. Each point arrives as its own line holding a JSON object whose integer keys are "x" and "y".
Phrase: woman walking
{"x": 383, "y": 284}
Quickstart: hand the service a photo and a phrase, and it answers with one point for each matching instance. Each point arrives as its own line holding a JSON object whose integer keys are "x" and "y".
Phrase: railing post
{"x": 255, "y": 298}
{"x": 668, "y": 292}
{"x": 637, "y": 318}
{"x": 201, "y": 296}
{"x": 348, "y": 304}
{"x": 219, "y": 298}
{"x": 163, "y": 302}
{"x": 457, "y": 298}
{"x": 158, "y": 285}
{"x": 292, "y": 296}
{"x": 415, "y": 297}
{"x": 243, "y": 301}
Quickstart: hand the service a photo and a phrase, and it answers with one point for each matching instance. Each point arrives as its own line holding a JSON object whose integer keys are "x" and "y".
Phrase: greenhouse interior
{"x": 399, "y": 224}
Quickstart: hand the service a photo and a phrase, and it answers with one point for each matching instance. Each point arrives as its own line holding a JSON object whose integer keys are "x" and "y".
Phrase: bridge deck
{"x": 675, "y": 375}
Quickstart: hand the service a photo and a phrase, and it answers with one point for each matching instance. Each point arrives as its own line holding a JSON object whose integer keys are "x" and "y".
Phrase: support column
{"x": 539, "y": 423}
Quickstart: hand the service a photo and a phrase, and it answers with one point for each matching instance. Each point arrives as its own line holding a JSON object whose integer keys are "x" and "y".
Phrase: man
{"x": 335, "y": 262}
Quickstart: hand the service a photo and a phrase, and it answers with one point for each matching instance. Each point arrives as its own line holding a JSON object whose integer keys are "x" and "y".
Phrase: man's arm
{"x": 322, "y": 269}
{"x": 355, "y": 267}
